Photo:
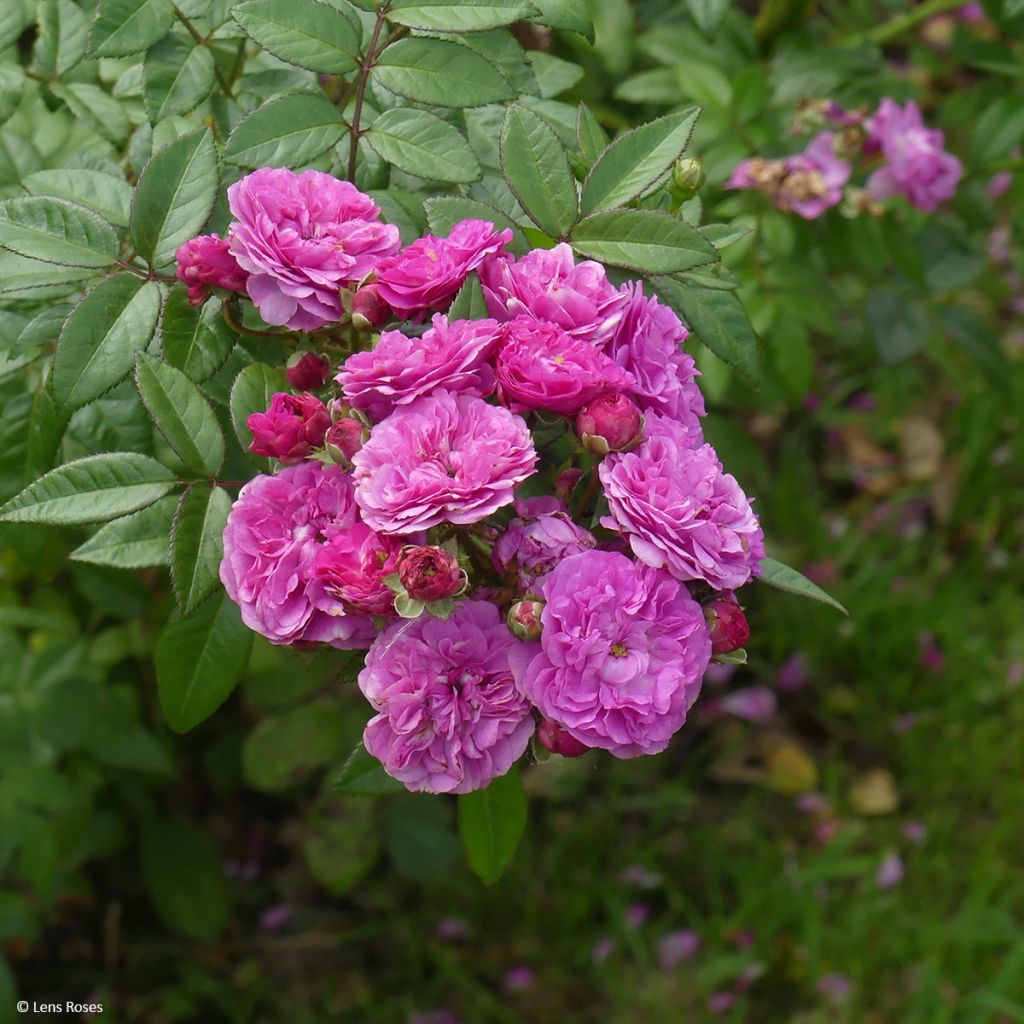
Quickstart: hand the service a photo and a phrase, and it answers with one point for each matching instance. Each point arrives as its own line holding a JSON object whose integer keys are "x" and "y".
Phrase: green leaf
{"x": 176, "y": 77}
{"x": 590, "y": 136}
{"x": 422, "y": 144}
{"x": 440, "y": 73}
{"x": 195, "y": 338}
{"x": 132, "y": 542}
{"x": 123, "y": 27}
{"x": 57, "y": 231}
{"x": 96, "y": 108}
{"x": 307, "y": 33}
{"x": 185, "y": 877}
{"x": 469, "y": 303}
{"x": 289, "y": 131}
{"x": 570, "y": 15}
{"x": 174, "y": 197}
{"x": 998, "y": 130}
{"x": 200, "y": 658}
{"x": 444, "y": 212}
{"x": 46, "y": 426}
{"x": 342, "y": 843}
{"x": 898, "y": 324}
{"x": 363, "y": 775}
{"x": 709, "y": 14}
{"x": 61, "y": 37}
{"x": 90, "y": 490}
{"x": 782, "y": 577}
{"x": 196, "y": 543}
{"x": 14, "y": 19}
{"x": 719, "y": 320}
{"x": 635, "y": 160}
{"x": 101, "y": 336}
{"x": 287, "y": 747}
{"x": 491, "y": 823}
{"x": 251, "y": 392}
{"x": 100, "y": 192}
{"x": 181, "y": 413}
{"x": 537, "y": 171}
{"x": 446, "y": 16}
{"x": 645, "y": 240}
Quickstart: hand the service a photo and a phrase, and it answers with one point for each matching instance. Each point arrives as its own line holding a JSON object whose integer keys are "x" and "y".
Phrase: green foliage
{"x": 491, "y": 823}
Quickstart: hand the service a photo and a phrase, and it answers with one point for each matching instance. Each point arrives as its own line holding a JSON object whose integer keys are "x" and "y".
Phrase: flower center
{"x": 619, "y": 650}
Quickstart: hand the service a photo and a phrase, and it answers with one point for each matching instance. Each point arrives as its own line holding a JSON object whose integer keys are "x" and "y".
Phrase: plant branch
{"x": 372, "y": 54}
{"x": 901, "y": 23}
{"x": 239, "y": 328}
{"x": 200, "y": 40}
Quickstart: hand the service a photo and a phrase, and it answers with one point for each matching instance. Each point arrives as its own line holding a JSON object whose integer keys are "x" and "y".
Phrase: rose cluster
{"x": 517, "y": 514}
{"x": 913, "y": 162}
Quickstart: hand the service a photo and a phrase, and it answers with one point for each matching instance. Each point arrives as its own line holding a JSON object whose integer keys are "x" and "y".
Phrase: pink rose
{"x": 205, "y": 262}
{"x": 291, "y": 428}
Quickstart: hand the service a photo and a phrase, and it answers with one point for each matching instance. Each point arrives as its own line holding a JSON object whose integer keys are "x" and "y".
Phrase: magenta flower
{"x": 351, "y": 568}
{"x": 916, "y": 164}
{"x": 449, "y": 717}
{"x": 430, "y": 573}
{"x": 547, "y": 284}
{"x": 274, "y": 532}
{"x": 424, "y": 277}
{"x": 648, "y": 346}
{"x": 541, "y": 535}
{"x": 621, "y": 655}
{"x": 752, "y": 704}
{"x": 679, "y": 510}
{"x": 399, "y": 369}
{"x": 204, "y": 262}
{"x": 302, "y": 237}
{"x": 610, "y": 423}
{"x": 308, "y": 371}
{"x": 446, "y": 458}
{"x": 727, "y": 623}
{"x": 539, "y": 366}
{"x": 290, "y": 429}
{"x": 890, "y": 871}
{"x": 676, "y": 947}
{"x": 814, "y": 179}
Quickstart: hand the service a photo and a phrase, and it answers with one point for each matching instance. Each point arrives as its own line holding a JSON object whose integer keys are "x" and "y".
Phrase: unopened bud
{"x": 726, "y": 623}
{"x": 688, "y": 176}
{"x": 308, "y": 371}
{"x": 344, "y": 438}
{"x": 430, "y": 573}
{"x": 369, "y": 310}
{"x": 524, "y": 618}
{"x": 554, "y": 738}
{"x": 611, "y": 423}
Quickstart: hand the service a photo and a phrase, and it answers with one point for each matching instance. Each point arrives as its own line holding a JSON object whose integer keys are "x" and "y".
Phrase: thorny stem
{"x": 224, "y": 84}
{"x": 372, "y": 54}
{"x": 229, "y": 318}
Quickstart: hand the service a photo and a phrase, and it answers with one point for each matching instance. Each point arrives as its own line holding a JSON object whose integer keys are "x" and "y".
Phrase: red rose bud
{"x": 308, "y": 371}
{"x": 554, "y": 738}
{"x": 290, "y": 429}
{"x": 369, "y": 310}
{"x": 611, "y": 423}
{"x": 524, "y": 618}
{"x": 344, "y": 439}
{"x": 430, "y": 573}
{"x": 205, "y": 262}
{"x": 727, "y": 624}
{"x": 565, "y": 482}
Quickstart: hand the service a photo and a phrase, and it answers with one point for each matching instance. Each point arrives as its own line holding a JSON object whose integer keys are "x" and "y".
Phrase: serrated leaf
{"x": 181, "y": 413}
{"x": 423, "y": 145}
{"x": 98, "y": 191}
{"x": 124, "y": 27}
{"x": 97, "y": 346}
{"x": 719, "y": 320}
{"x": 709, "y": 14}
{"x": 782, "y": 577}
{"x": 444, "y": 212}
{"x": 46, "y": 426}
{"x": 446, "y": 16}
{"x": 288, "y": 131}
{"x": 61, "y": 37}
{"x": 14, "y": 19}
{"x": 491, "y": 824}
{"x": 197, "y": 543}
{"x": 174, "y": 196}
{"x": 176, "y": 77}
{"x": 570, "y": 15}
{"x": 285, "y": 748}
{"x": 95, "y": 107}
{"x": 251, "y": 392}
{"x": 536, "y": 168}
{"x": 635, "y": 160}
{"x": 318, "y": 36}
{"x": 590, "y": 136}
{"x": 90, "y": 490}
{"x": 440, "y": 73}
{"x": 469, "y": 303}
{"x": 132, "y": 542}
{"x": 56, "y": 231}
{"x": 200, "y": 658}
{"x": 195, "y": 339}
{"x": 363, "y": 775}
{"x": 648, "y": 241}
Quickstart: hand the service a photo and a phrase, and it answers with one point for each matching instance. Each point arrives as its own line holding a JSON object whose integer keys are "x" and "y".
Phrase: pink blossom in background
{"x": 637, "y": 915}
{"x": 540, "y": 366}
{"x": 815, "y": 179}
{"x": 276, "y": 918}
{"x": 931, "y": 656}
{"x": 400, "y": 369}
{"x": 752, "y": 704}
{"x": 721, "y": 1002}
{"x": 969, "y": 14}
{"x": 454, "y": 929}
{"x": 621, "y": 655}
{"x": 915, "y": 831}
{"x": 291, "y": 427}
{"x": 548, "y": 284}
{"x": 641, "y": 877}
{"x": 602, "y": 950}
{"x": 916, "y": 165}
{"x": 446, "y": 458}
{"x": 890, "y": 871}
{"x": 519, "y": 978}
{"x": 274, "y": 531}
{"x": 301, "y": 237}
{"x": 999, "y": 184}
{"x": 792, "y": 674}
{"x": 677, "y": 947}
{"x": 449, "y": 716}
{"x": 835, "y": 987}
{"x": 205, "y": 262}
{"x": 425, "y": 276}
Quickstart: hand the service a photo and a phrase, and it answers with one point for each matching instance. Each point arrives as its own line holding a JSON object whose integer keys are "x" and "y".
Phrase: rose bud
{"x": 308, "y": 371}
{"x": 369, "y": 310}
{"x": 290, "y": 429}
{"x": 689, "y": 175}
{"x": 565, "y": 482}
{"x": 344, "y": 439}
{"x": 554, "y": 738}
{"x": 524, "y": 618}
{"x": 430, "y": 573}
{"x": 611, "y": 423}
{"x": 726, "y": 623}
{"x": 205, "y": 262}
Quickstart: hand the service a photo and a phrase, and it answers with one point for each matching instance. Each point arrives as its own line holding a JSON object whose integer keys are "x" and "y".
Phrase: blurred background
{"x": 836, "y": 835}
